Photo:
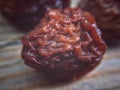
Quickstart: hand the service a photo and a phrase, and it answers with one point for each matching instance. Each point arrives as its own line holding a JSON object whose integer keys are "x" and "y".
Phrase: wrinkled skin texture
{"x": 25, "y": 14}
{"x": 107, "y": 14}
{"x": 65, "y": 45}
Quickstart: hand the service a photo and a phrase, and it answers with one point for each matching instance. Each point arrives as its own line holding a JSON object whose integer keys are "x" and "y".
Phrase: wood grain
{"x": 15, "y": 75}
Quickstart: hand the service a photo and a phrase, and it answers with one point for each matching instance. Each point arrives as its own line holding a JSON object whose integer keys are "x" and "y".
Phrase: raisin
{"x": 107, "y": 14}
{"x": 65, "y": 45}
{"x": 25, "y": 14}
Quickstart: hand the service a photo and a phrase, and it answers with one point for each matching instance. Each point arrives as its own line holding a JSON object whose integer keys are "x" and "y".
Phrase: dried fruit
{"x": 25, "y": 14}
{"x": 65, "y": 45}
{"x": 107, "y": 14}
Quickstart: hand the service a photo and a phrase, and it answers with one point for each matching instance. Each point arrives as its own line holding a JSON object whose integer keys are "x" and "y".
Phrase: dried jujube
{"x": 65, "y": 45}
{"x": 25, "y": 14}
{"x": 107, "y": 14}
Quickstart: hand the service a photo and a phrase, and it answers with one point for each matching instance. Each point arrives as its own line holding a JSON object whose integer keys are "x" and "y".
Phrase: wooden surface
{"x": 15, "y": 75}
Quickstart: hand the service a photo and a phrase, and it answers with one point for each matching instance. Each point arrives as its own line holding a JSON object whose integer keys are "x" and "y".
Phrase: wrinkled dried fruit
{"x": 25, "y": 14}
{"x": 65, "y": 45}
{"x": 107, "y": 14}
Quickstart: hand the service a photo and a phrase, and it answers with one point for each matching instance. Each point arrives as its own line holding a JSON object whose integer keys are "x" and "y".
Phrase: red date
{"x": 65, "y": 45}
{"x": 107, "y": 14}
{"x": 25, "y": 14}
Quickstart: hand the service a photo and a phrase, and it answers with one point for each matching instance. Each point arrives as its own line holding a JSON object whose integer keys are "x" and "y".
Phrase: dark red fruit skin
{"x": 25, "y": 14}
{"x": 107, "y": 14}
{"x": 65, "y": 45}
